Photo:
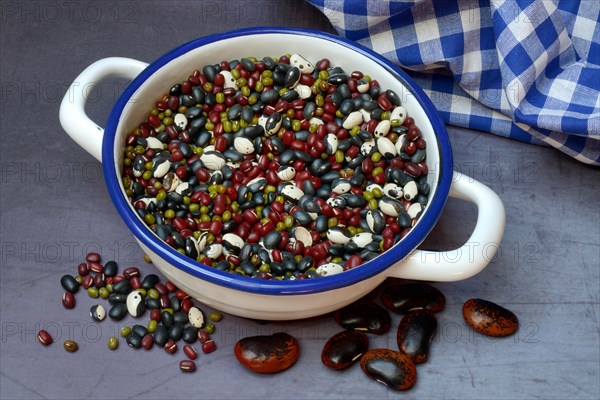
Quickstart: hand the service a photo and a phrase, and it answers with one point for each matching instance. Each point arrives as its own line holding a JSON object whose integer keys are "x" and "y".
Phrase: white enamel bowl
{"x": 272, "y": 299}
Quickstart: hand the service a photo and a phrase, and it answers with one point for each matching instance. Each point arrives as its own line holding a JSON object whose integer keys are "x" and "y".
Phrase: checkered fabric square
{"x": 528, "y": 70}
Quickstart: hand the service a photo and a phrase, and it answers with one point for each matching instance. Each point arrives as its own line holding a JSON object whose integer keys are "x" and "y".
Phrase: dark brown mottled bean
{"x": 402, "y": 298}
{"x": 364, "y": 316}
{"x": 489, "y": 318}
{"x": 267, "y": 354}
{"x": 391, "y": 368}
{"x": 415, "y": 333}
{"x": 343, "y": 349}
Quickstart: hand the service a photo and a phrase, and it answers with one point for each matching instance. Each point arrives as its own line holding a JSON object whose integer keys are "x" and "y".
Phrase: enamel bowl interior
{"x": 176, "y": 66}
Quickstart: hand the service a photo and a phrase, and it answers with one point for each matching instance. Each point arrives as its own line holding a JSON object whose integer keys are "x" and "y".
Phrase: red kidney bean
{"x": 203, "y": 336}
{"x": 323, "y": 64}
{"x": 131, "y": 272}
{"x": 95, "y": 267}
{"x": 82, "y": 269}
{"x": 88, "y": 280}
{"x": 68, "y": 300}
{"x": 165, "y": 302}
{"x": 136, "y": 283}
{"x": 155, "y": 314}
{"x": 93, "y": 257}
{"x": 413, "y": 133}
{"x": 162, "y": 289}
{"x": 181, "y": 295}
{"x": 171, "y": 346}
{"x": 99, "y": 280}
{"x": 352, "y": 262}
{"x": 209, "y": 346}
{"x": 190, "y": 351}
{"x": 154, "y": 121}
{"x": 412, "y": 169}
{"x": 147, "y": 341}
{"x": 44, "y": 337}
{"x": 187, "y": 366}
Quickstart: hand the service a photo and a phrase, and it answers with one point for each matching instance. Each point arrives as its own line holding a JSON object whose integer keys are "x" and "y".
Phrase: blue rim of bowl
{"x": 278, "y": 287}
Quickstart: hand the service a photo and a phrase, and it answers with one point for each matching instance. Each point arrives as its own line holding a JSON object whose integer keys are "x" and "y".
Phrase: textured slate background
{"x": 54, "y": 208}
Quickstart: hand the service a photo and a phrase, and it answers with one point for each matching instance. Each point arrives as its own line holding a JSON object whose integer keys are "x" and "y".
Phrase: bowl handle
{"x": 72, "y": 114}
{"x": 475, "y": 254}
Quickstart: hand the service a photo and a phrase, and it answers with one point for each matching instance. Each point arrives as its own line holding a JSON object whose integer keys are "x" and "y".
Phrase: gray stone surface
{"x": 54, "y": 207}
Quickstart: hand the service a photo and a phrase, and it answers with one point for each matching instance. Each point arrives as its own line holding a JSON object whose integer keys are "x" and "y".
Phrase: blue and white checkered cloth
{"x": 528, "y": 70}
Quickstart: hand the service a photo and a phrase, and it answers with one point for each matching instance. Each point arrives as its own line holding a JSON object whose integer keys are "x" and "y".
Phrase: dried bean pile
{"x": 278, "y": 168}
{"x": 173, "y": 315}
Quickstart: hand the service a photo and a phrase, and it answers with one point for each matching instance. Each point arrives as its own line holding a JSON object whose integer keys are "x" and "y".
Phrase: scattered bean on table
{"x": 418, "y": 302}
{"x": 44, "y": 338}
{"x": 489, "y": 318}
{"x": 131, "y": 293}
{"x": 70, "y": 346}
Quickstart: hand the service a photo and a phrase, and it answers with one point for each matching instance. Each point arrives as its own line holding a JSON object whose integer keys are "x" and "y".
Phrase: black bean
{"x": 118, "y": 311}
{"x": 176, "y": 332}
{"x": 248, "y": 64}
{"x": 152, "y": 303}
{"x": 210, "y": 71}
{"x": 344, "y": 91}
{"x": 247, "y": 115}
{"x": 149, "y": 281}
{"x": 393, "y": 97}
{"x": 290, "y": 95}
{"x": 175, "y": 90}
{"x": 111, "y": 268}
{"x": 139, "y": 330}
{"x": 234, "y": 112}
{"x": 134, "y": 341}
{"x": 166, "y": 318}
{"x": 268, "y": 96}
{"x": 198, "y": 94}
{"x": 116, "y": 298}
{"x": 190, "y": 334}
{"x": 175, "y": 305}
{"x": 292, "y": 77}
{"x": 69, "y": 283}
{"x": 346, "y": 107}
{"x": 180, "y": 317}
{"x": 272, "y": 239}
{"x": 337, "y": 79}
{"x": 309, "y": 110}
{"x": 302, "y": 217}
{"x": 161, "y": 335}
{"x": 269, "y": 63}
{"x": 123, "y": 287}
{"x": 321, "y": 224}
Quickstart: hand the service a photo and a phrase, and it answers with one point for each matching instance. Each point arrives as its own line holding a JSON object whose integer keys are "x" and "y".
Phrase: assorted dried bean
{"x": 173, "y": 315}
{"x": 277, "y": 168}
{"x": 417, "y": 302}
